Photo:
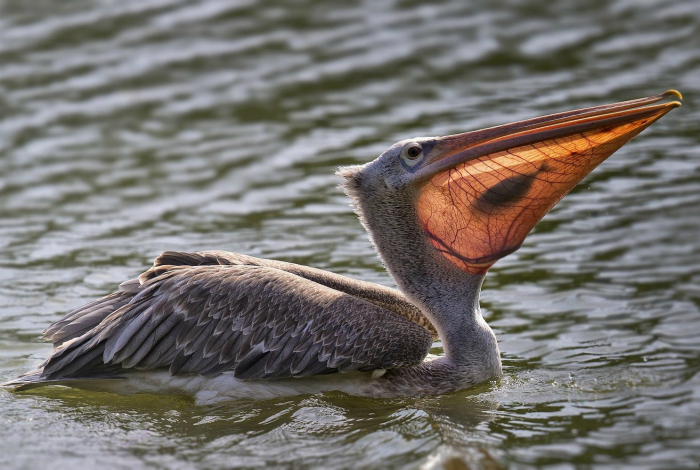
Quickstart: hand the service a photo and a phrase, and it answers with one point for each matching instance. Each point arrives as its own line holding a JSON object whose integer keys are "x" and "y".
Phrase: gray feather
{"x": 221, "y": 311}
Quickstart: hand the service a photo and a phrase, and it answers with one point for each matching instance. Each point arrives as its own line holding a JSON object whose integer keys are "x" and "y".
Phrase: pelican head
{"x": 475, "y": 196}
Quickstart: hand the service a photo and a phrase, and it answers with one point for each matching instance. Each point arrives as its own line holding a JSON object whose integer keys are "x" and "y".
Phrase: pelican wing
{"x": 390, "y": 299}
{"x": 258, "y": 321}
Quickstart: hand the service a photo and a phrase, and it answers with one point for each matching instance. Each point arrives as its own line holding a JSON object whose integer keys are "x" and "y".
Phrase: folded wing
{"x": 258, "y": 321}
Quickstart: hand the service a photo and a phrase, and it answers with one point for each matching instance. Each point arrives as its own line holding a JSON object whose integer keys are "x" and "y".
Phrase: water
{"x": 131, "y": 127}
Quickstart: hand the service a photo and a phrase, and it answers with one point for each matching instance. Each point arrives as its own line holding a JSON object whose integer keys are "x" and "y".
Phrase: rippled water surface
{"x": 131, "y": 127}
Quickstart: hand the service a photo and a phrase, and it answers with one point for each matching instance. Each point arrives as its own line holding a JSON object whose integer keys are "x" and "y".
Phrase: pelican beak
{"x": 480, "y": 193}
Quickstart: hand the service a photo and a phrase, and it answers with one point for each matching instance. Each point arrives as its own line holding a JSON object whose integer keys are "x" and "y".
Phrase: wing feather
{"x": 258, "y": 321}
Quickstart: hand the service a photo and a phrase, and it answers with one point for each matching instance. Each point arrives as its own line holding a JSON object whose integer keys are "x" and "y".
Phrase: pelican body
{"x": 440, "y": 211}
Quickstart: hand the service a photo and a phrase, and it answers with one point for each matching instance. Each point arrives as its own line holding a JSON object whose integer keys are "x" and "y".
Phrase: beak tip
{"x": 672, "y": 92}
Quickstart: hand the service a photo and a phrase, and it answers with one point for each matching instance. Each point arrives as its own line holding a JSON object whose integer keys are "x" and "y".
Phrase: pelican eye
{"x": 411, "y": 153}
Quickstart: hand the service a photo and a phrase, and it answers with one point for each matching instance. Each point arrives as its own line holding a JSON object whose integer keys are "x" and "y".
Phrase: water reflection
{"x": 335, "y": 428}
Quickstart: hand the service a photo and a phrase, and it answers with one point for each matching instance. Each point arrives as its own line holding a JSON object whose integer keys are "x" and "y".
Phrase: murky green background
{"x": 132, "y": 127}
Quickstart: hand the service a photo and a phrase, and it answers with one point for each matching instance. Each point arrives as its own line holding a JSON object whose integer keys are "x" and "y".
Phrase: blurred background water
{"x": 135, "y": 126}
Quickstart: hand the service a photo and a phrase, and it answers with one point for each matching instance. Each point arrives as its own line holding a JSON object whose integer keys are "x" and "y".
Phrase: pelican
{"x": 440, "y": 211}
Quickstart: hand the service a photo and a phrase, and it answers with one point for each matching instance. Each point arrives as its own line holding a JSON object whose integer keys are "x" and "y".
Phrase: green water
{"x": 132, "y": 127}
